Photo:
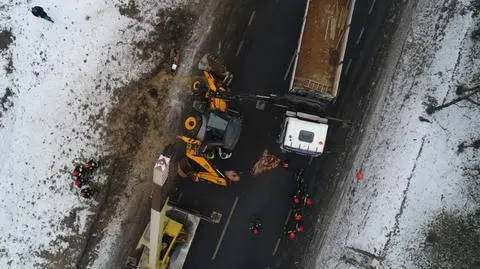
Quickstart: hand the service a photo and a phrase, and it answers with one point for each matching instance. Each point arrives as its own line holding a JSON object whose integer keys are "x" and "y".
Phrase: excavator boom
{"x": 193, "y": 152}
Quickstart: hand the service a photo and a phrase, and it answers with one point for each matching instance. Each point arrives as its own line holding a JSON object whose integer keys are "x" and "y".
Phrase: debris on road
{"x": 232, "y": 176}
{"x": 265, "y": 163}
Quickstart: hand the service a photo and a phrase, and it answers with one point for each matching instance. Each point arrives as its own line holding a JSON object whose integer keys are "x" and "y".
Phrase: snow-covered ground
{"x": 413, "y": 170}
{"x": 57, "y": 81}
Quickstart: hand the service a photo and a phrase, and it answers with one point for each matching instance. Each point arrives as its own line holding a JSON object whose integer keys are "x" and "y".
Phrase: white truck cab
{"x": 303, "y": 134}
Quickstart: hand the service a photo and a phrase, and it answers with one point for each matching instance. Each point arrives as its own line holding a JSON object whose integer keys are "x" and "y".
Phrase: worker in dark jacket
{"x": 86, "y": 191}
{"x": 90, "y": 166}
{"x": 255, "y": 226}
{"x": 40, "y": 13}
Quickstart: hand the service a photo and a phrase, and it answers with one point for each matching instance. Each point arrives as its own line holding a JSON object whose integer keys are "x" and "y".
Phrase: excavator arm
{"x": 210, "y": 173}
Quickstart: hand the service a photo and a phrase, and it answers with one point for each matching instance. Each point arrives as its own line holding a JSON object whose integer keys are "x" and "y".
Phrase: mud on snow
{"x": 134, "y": 131}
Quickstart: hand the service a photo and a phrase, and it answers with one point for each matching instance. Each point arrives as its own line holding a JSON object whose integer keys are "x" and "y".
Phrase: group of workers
{"x": 81, "y": 176}
{"x": 301, "y": 199}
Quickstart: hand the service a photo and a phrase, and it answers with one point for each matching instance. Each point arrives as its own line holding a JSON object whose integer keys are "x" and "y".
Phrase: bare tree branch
{"x": 473, "y": 102}
{"x": 432, "y": 109}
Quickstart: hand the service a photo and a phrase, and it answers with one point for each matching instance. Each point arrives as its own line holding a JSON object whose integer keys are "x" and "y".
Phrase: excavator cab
{"x": 214, "y": 128}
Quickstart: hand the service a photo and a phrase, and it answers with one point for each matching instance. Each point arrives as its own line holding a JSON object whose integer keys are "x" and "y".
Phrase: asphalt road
{"x": 258, "y": 43}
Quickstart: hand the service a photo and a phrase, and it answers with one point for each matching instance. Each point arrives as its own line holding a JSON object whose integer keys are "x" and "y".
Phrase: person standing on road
{"x": 291, "y": 234}
{"x": 40, "y": 13}
{"x": 297, "y": 214}
{"x": 307, "y": 200}
{"x": 299, "y": 226}
{"x": 255, "y": 226}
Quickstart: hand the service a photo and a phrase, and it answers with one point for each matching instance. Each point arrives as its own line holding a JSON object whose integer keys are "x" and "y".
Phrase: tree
{"x": 464, "y": 93}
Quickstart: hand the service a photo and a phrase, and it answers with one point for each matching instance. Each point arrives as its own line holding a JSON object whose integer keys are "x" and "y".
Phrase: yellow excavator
{"x": 210, "y": 128}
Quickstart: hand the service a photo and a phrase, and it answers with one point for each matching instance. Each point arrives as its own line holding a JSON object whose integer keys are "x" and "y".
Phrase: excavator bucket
{"x": 214, "y": 65}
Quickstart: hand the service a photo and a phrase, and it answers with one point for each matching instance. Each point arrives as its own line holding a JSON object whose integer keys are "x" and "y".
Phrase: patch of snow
{"x": 63, "y": 76}
{"x": 412, "y": 168}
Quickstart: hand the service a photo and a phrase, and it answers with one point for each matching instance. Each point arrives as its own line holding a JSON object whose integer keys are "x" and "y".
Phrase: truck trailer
{"x": 316, "y": 72}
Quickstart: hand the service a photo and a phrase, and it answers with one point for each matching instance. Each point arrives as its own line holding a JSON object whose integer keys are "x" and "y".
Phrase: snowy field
{"x": 416, "y": 178}
{"x": 56, "y": 86}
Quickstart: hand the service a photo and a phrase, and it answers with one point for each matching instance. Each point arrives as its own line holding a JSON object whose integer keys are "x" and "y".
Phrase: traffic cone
{"x": 359, "y": 175}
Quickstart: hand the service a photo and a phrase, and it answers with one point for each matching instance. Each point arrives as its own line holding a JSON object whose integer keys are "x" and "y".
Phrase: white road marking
{"x": 239, "y": 48}
{"x": 290, "y": 65}
{"x": 225, "y": 228}
{"x": 251, "y": 17}
{"x": 276, "y": 247}
{"x": 360, "y": 35}
{"x": 348, "y": 66}
{"x": 288, "y": 217}
{"x": 371, "y": 7}
{"x": 310, "y": 160}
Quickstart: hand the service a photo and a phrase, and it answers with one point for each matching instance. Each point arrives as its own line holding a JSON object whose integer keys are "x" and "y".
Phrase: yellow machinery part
{"x": 211, "y": 81}
{"x": 215, "y": 103}
{"x": 210, "y": 177}
{"x": 211, "y": 174}
{"x": 190, "y": 123}
{"x": 196, "y": 85}
{"x": 173, "y": 229}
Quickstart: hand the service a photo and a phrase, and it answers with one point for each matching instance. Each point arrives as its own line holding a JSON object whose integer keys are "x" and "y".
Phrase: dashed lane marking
{"x": 288, "y": 217}
{"x": 225, "y": 228}
{"x": 360, "y": 35}
{"x": 348, "y": 66}
{"x": 239, "y": 48}
{"x": 371, "y": 7}
{"x": 276, "y": 247}
{"x": 251, "y": 17}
